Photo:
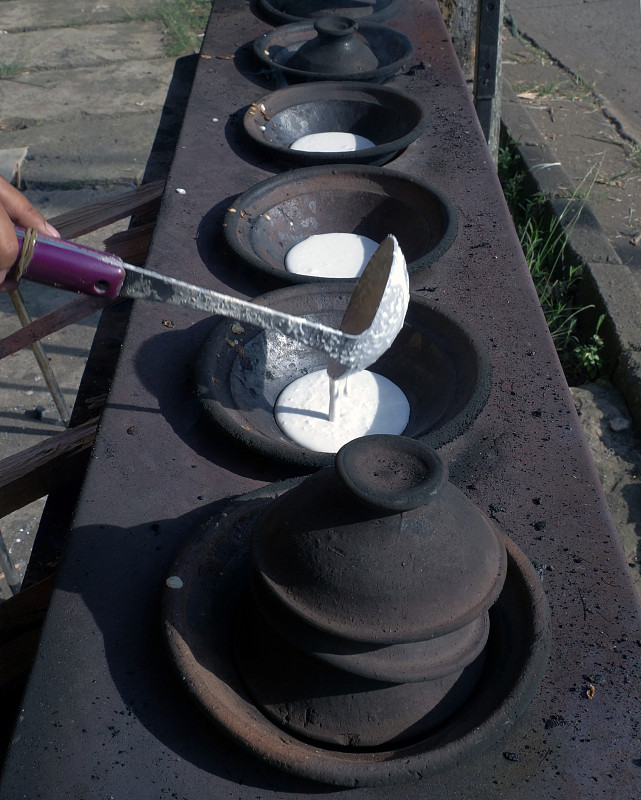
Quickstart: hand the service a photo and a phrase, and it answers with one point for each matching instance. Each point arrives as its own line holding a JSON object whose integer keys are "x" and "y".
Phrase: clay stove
{"x": 104, "y": 711}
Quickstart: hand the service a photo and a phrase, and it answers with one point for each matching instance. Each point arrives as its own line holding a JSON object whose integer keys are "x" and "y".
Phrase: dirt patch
{"x": 616, "y": 450}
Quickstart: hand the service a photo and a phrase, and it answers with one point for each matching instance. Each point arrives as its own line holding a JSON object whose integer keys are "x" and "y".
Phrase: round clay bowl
{"x": 386, "y": 116}
{"x": 436, "y": 361}
{"x": 283, "y": 11}
{"x": 391, "y": 48}
{"x": 273, "y": 216}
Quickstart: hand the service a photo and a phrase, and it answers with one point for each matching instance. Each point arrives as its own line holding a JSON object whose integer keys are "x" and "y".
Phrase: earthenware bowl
{"x": 436, "y": 361}
{"x": 265, "y": 222}
{"x": 283, "y": 11}
{"x": 386, "y": 116}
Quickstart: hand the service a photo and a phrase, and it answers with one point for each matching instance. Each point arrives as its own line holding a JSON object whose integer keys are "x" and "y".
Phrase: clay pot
{"x": 371, "y": 583}
{"x": 335, "y": 49}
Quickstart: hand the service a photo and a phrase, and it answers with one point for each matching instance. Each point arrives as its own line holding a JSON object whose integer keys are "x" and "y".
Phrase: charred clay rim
{"x": 384, "y": 115}
{"x": 273, "y": 216}
{"x": 408, "y": 475}
{"x": 436, "y": 361}
{"x": 197, "y": 619}
{"x": 391, "y": 48}
{"x": 283, "y": 11}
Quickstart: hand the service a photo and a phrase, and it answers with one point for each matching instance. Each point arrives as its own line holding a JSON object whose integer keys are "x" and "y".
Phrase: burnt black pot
{"x": 389, "y": 118}
{"x": 284, "y": 11}
{"x": 436, "y": 360}
{"x": 276, "y": 49}
{"x": 266, "y": 221}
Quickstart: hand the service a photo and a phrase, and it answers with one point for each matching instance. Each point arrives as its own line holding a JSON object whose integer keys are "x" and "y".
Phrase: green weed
{"x": 588, "y": 354}
{"x": 10, "y": 68}
{"x": 543, "y": 237}
{"x": 182, "y": 21}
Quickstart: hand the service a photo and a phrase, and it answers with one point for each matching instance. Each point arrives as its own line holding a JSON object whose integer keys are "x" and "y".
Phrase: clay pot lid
{"x": 278, "y": 47}
{"x": 336, "y": 48}
{"x": 381, "y": 549}
{"x": 198, "y": 617}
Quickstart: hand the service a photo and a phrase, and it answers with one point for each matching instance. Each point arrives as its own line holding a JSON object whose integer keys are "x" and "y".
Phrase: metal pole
{"x": 41, "y": 358}
{"x": 487, "y": 81}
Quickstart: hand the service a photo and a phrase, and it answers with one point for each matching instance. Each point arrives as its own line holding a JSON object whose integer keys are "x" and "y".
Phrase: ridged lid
{"x": 380, "y": 548}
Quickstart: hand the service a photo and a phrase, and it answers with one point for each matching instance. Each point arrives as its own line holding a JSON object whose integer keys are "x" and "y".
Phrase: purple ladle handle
{"x": 67, "y": 265}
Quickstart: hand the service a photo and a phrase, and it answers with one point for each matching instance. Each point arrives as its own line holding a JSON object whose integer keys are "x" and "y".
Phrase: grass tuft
{"x": 543, "y": 237}
{"x": 182, "y": 21}
{"x": 10, "y": 68}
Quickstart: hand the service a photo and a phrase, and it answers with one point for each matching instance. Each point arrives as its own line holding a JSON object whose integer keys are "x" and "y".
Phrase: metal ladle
{"x": 373, "y": 318}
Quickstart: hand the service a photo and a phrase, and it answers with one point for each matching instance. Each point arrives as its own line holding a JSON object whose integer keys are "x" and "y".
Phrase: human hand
{"x": 16, "y": 209}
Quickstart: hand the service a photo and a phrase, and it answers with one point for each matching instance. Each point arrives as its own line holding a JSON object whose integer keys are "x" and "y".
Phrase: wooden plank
{"x": 131, "y": 245}
{"x": 55, "y": 320}
{"x": 48, "y": 465}
{"x": 26, "y": 610}
{"x": 92, "y": 217}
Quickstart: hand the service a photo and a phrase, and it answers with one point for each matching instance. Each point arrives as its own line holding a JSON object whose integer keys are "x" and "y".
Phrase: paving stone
{"x": 129, "y": 86}
{"x": 18, "y": 15}
{"x": 86, "y": 46}
{"x": 102, "y": 149}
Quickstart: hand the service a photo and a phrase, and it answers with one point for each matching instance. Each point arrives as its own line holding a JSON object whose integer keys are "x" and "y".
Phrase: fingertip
{"x": 51, "y": 231}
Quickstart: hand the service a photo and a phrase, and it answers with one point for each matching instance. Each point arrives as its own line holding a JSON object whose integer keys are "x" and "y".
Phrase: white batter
{"x": 331, "y": 142}
{"x": 331, "y": 255}
{"x": 368, "y": 404}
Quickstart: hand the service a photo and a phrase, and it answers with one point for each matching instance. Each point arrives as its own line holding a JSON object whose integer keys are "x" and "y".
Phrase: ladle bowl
{"x": 436, "y": 361}
{"x": 391, "y": 48}
{"x": 386, "y": 116}
{"x": 265, "y": 222}
{"x": 283, "y": 11}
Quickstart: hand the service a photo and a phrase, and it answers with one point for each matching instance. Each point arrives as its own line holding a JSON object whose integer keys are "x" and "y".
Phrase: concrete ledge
{"x": 608, "y": 284}
{"x": 627, "y": 378}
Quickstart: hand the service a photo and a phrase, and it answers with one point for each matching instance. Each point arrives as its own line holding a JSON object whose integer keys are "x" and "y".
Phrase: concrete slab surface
{"x": 65, "y": 95}
{"x": 18, "y": 15}
{"x": 597, "y": 40}
{"x": 98, "y": 149}
{"x": 85, "y": 46}
{"x": 602, "y": 166}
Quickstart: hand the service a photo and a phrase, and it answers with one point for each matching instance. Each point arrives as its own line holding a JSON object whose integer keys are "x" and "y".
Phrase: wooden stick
{"x": 55, "y": 320}
{"x": 89, "y": 218}
{"x": 131, "y": 245}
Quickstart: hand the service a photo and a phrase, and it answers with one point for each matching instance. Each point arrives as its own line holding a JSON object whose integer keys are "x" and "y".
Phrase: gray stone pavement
{"x": 596, "y": 40}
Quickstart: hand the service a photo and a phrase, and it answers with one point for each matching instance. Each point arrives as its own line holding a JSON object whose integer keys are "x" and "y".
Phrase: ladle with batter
{"x": 375, "y": 313}
{"x": 374, "y": 404}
